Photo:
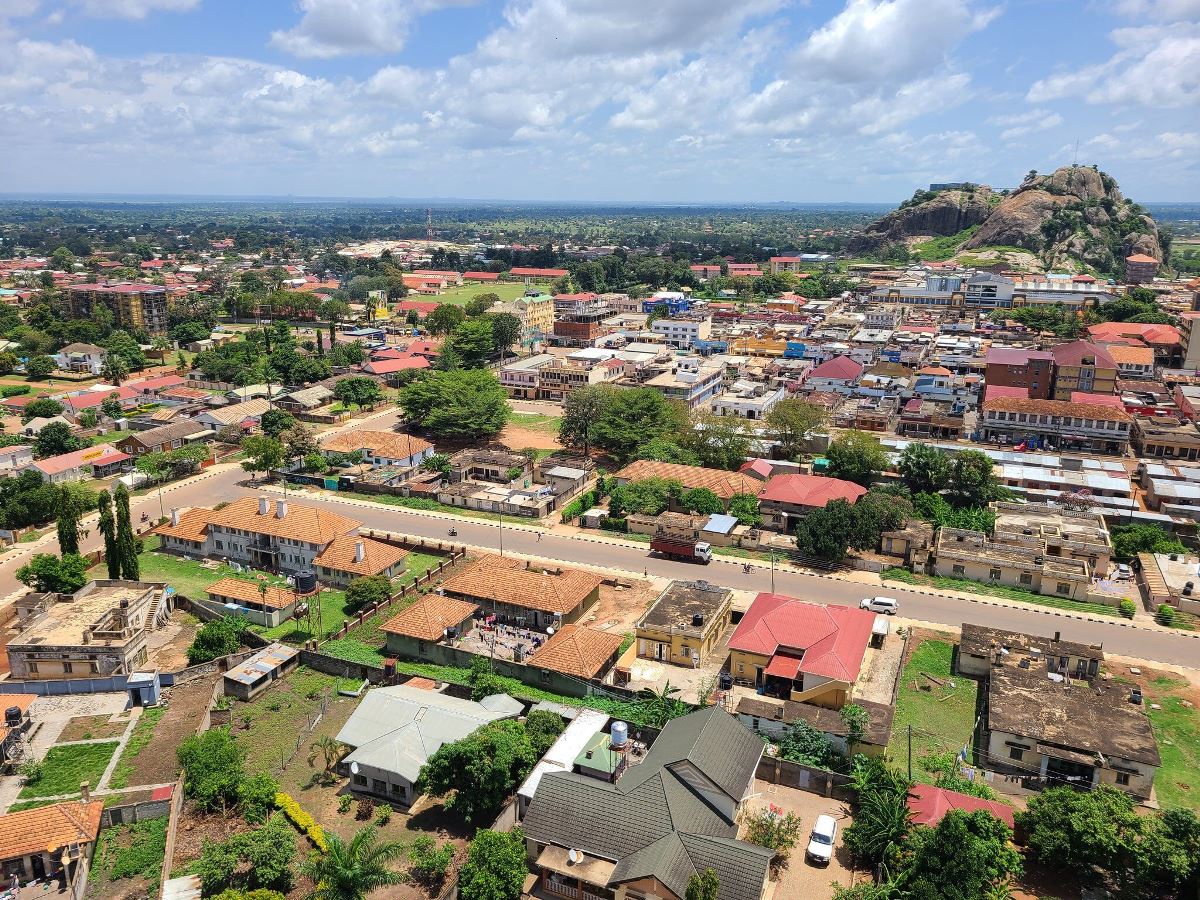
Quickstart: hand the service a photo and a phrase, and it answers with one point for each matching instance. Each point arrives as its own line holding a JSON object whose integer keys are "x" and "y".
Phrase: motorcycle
{"x": 453, "y": 532}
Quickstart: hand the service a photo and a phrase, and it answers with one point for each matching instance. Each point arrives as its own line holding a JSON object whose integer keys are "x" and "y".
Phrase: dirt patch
{"x": 514, "y": 437}
{"x": 86, "y": 728}
{"x": 618, "y": 608}
{"x": 168, "y": 645}
{"x": 186, "y": 705}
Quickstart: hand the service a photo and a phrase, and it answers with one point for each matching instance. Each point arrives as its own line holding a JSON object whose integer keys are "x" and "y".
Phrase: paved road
{"x": 228, "y": 483}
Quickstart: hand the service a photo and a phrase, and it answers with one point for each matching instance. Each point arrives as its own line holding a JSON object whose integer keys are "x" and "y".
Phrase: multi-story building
{"x": 581, "y": 369}
{"x": 683, "y": 332}
{"x": 744, "y": 270}
{"x": 962, "y": 553}
{"x": 1015, "y": 367}
{"x": 693, "y": 381}
{"x": 133, "y": 305}
{"x": 1082, "y": 367}
{"x": 1140, "y": 268}
{"x": 1056, "y": 424}
{"x": 536, "y": 315}
{"x": 522, "y": 378}
{"x": 578, "y": 318}
{"x": 685, "y": 623}
{"x": 984, "y": 290}
{"x": 1190, "y": 337}
{"x": 1132, "y": 362}
{"x": 748, "y": 400}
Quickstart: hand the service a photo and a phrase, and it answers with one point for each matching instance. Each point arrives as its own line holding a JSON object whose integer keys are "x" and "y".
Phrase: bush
{"x": 256, "y": 795}
{"x": 579, "y": 505}
{"x": 367, "y": 591}
{"x": 213, "y": 769}
{"x": 215, "y": 639}
{"x": 384, "y": 815}
{"x": 14, "y": 390}
{"x": 1165, "y": 615}
{"x": 1127, "y": 608}
{"x": 429, "y": 863}
{"x": 302, "y": 820}
{"x": 344, "y": 803}
{"x": 608, "y": 524}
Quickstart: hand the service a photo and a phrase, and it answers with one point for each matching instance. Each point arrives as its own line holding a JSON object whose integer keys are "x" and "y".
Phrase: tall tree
{"x": 495, "y": 868}
{"x": 466, "y": 403}
{"x": 856, "y": 456}
{"x": 263, "y": 454}
{"x": 582, "y": 409}
{"x": 973, "y": 481}
{"x": 925, "y": 469}
{"x": 791, "y": 422}
{"x": 126, "y": 542}
{"x": 70, "y": 509}
{"x": 350, "y": 870}
{"x": 480, "y": 771}
{"x": 703, "y": 886}
{"x": 108, "y": 529}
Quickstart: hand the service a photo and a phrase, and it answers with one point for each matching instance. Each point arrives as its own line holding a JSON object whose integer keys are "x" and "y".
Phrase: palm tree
{"x": 350, "y": 871}
{"x": 880, "y": 825}
{"x": 329, "y": 747}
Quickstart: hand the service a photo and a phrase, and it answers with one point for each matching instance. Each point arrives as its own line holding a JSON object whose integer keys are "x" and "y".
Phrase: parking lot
{"x": 800, "y": 879}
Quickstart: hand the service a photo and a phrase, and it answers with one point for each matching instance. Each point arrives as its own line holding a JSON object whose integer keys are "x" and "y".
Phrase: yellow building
{"x": 535, "y": 313}
{"x": 685, "y": 623}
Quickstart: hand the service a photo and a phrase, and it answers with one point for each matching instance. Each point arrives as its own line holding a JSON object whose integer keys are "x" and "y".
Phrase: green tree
{"x": 1081, "y": 831}
{"x": 666, "y": 449}
{"x": 438, "y": 462}
{"x": 744, "y": 507}
{"x": 275, "y": 422}
{"x": 972, "y": 480}
{"x": 581, "y": 410}
{"x": 213, "y": 766}
{"x": 478, "y": 773}
{"x": 720, "y": 442}
{"x": 1130, "y": 540}
{"x": 256, "y": 797}
{"x": 506, "y": 331}
{"x": 495, "y": 868}
{"x": 250, "y": 861}
{"x": 367, "y": 591}
{"x": 774, "y": 831}
{"x": 456, "y": 404}
{"x": 473, "y": 342}
{"x": 925, "y": 469}
{"x": 444, "y": 318}
{"x": 856, "y": 719}
{"x": 127, "y": 543}
{"x": 262, "y": 453}
{"x": 791, "y": 422}
{"x": 856, "y": 456}
{"x": 481, "y": 303}
{"x": 299, "y": 441}
{"x": 39, "y": 366}
{"x": 882, "y": 821}
{"x": 115, "y": 369}
{"x": 8, "y": 363}
{"x": 702, "y": 501}
{"x": 111, "y": 406}
{"x": 632, "y": 416}
{"x": 703, "y": 886}
{"x": 1167, "y": 858}
{"x": 216, "y": 638}
{"x": 428, "y": 863}
{"x": 108, "y": 530}
{"x": 827, "y": 533}
{"x": 62, "y": 260}
{"x": 350, "y": 870}
{"x": 358, "y": 390}
{"x": 650, "y": 496}
{"x": 55, "y": 439}
{"x": 71, "y": 507}
{"x": 543, "y": 728}
{"x": 965, "y": 857}
{"x": 804, "y": 744}
{"x": 41, "y": 408}
{"x": 46, "y": 572}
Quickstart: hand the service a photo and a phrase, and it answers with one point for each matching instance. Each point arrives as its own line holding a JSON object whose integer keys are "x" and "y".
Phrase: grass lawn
{"x": 505, "y": 290}
{"x": 143, "y": 731}
{"x": 427, "y": 504}
{"x": 942, "y": 717}
{"x": 536, "y": 422}
{"x": 996, "y": 590}
{"x": 129, "y": 852}
{"x": 65, "y": 766}
{"x": 279, "y": 717}
{"x": 1177, "y": 730}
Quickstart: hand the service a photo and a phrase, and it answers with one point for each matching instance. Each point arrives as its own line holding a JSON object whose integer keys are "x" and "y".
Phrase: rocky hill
{"x": 1074, "y": 218}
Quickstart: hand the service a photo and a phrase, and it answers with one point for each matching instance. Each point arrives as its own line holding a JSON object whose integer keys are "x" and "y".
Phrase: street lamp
{"x": 501, "y": 531}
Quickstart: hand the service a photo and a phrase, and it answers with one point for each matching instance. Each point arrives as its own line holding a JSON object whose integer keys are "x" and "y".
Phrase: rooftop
{"x": 379, "y": 443}
{"x": 244, "y": 591}
{"x": 677, "y": 606}
{"x": 342, "y": 555}
{"x": 90, "y": 615}
{"x": 810, "y": 490}
{"x": 519, "y": 583}
{"x": 429, "y": 617}
{"x": 577, "y": 651}
{"x": 722, "y": 483}
{"x": 831, "y": 640}
{"x": 52, "y": 828}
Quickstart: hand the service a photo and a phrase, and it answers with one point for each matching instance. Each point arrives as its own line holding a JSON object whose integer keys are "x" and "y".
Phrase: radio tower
{"x": 428, "y": 223}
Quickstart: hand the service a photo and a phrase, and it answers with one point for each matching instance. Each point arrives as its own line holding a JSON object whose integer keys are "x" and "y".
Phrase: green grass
{"x": 129, "y": 851}
{"x": 1177, "y": 782}
{"x": 505, "y": 290}
{"x": 65, "y": 766}
{"x": 996, "y": 590}
{"x": 33, "y": 804}
{"x": 143, "y": 732}
{"x": 942, "y": 718}
{"x": 431, "y": 505}
{"x": 278, "y": 716}
{"x": 942, "y": 248}
{"x": 536, "y": 422}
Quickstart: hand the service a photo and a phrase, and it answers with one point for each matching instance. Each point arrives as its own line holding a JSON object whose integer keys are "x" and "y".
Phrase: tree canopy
{"x": 856, "y": 456}
{"x": 456, "y": 404}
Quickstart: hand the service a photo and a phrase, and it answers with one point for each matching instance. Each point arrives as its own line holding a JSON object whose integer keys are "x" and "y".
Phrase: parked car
{"x": 820, "y": 842}
{"x": 880, "y": 605}
{"x": 1124, "y": 572}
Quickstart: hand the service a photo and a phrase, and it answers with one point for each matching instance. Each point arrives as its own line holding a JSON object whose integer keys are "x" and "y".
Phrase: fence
{"x": 806, "y": 778}
{"x": 176, "y": 811}
{"x": 141, "y": 811}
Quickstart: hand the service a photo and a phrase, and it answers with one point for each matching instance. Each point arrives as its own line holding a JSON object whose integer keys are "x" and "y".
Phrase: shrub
{"x": 14, "y": 390}
{"x": 1127, "y": 608}
{"x": 256, "y": 795}
{"x": 366, "y": 808}
{"x": 215, "y": 639}
{"x": 1166, "y": 615}
{"x": 302, "y": 820}
{"x": 609, "y": 524}
{"x": 384, "y": 815}
{"x": 429, "y": 862}
{"x": 344, "y": 804}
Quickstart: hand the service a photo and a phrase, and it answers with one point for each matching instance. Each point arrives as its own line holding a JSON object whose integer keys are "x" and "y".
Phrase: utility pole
{"x": 502, "y": 532}
{"x": 910, "y": 753}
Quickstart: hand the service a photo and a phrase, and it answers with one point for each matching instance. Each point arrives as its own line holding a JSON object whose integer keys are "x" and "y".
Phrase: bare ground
{"x": 186, "y": 705}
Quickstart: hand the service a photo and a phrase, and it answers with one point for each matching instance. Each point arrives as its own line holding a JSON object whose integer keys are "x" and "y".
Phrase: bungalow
{"x": 578, "y": 652}
{"x": 33, "y": 427}
{"x": 381, "y": 448}
{"x": 305, "y": 400}
{"x": 250, "y": 411}
{"x": 391, "y": 370}
{"x": 722, "y": 483}
{"x": 839, "y": 375}
{"x": 79, "y": 357}
{"x": 76, "y": 403}
{"x": 15, "y": 458}
{"x": 524, "y": 593}
{"x": 163, "y": 438}
{"x": 49, "y": 842}
{"x": 259, "y": 603}
{"x": 685, "y": 623}
{"x": 788, "y": 498}
{"x": 99, "y": 461}
{"x": 151, "y": 388}
{"x": 928, "y": 805}
{"x": 429, "y": 620}
{"x": 421, "y": 307}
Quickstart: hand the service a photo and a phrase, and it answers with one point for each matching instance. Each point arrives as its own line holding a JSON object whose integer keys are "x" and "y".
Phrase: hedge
{"x": 14, "y": 390}
{"x": 302, "y": 820}
{"x": 580, "y": 505}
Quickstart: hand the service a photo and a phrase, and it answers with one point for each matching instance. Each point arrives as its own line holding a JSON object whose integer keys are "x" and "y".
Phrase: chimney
{"x": 175, "y": 516}
{"x": 280, "y": 509}
{"x": 264, "y": 506}
{"x": 360, "y": 551}
{"x": 85, "y": 791}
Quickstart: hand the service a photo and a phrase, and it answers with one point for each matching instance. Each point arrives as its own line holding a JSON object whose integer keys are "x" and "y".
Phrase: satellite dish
{"x": 550, "y": 631}
{"x": 572, "y": 856}
{"x": 353, "y": 768}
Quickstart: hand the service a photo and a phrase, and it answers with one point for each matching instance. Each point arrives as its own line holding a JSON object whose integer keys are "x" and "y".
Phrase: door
{"x": 39, "y": 866}
{"x": 758, "y": 677}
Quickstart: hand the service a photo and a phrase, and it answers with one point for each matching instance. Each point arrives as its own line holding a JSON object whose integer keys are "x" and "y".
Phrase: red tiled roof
{"x": 1056, "y": 408}
{"x": 1097, "y": 399}
{"x": 101, "y": 454}
{"x": 480, "y": 276}
{"x": 50, "y": 828}
{"x": 930, "y": 804}
{"x": 840, "y": 367}
{"x": 1002, "y": 390}
{"x": 1141, "y": 258}
{"x": 1152, "y": 334}
{"x": 532, "y": 272}
{"x": 388, "y": 366}
{"x": 810, "y": 490}
{"x": 831, "y": 640}
{"x": 1074, "y": 354}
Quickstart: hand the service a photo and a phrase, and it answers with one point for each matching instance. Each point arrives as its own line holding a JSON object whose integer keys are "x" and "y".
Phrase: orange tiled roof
{"x": 49, "y": 827}
{"x": 509, "y": 581}
{"x": 1056, "y": 408}
{"x": 578, "y": 651}
{"x": 21, "y": 701}
{"x": 380, "y": 443}
{"x": 193, "y": 525}
{"x": 429, "y": 617}
{"x": 1142, "y": 356}
{"x": 722, "y": 483}
{"x": 377, "y": 556}
{"x": 249, "y": 592}
{"x": 302, "y": 523}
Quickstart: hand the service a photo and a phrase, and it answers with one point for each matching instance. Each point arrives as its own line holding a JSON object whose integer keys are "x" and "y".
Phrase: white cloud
{"x": 1029, "y": 122}
{"x": 1159, "y": 10}
{"x": 132, "y": 9}
{"x": 331, "y": 28}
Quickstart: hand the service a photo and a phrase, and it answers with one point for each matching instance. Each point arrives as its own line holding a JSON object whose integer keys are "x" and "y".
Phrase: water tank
{"x": 697, "y": 620}
{"x": 620, "y": 734}
{"x": 12, "y": 716}
{"x": 306, "y": 581}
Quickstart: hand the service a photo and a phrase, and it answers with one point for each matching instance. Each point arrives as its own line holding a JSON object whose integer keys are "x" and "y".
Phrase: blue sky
{"x": 679, "y": 100}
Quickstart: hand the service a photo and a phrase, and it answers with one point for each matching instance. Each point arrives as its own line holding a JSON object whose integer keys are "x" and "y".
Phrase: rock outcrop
{"x": 946, "y": 214}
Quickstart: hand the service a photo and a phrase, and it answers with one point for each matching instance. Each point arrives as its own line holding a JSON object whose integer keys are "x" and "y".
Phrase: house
{"x": 99, "y": 461}
{"x": 495, "y": 466}
{"x": 521, "y": 378}
{"x": 15, "y": 458}
{"x": 524, "y": 593}
{"x": 578, "y": 652}
{"x": 721, "y": 482}
{"x": 1132, "y": 362}
{"x": 685, "y": 623}
{"x": 248, "y": 411}
{"x": 838, "y": 375}
{"x": 1032, "y": 370}
{"x": 581, "y": 731}
{"x": 151, "y": 388}
{"x": 663, "y": 821}
{"x": 79, "y": 357}
{"x": 305, "y": 400}
{"x": 429, "y": 620}
{"x": 259, "y": 603}
{"x": 1083, "y": 366}
{"x": 787, "y": 498}
{"x": 163, "y": 439}
{"x": 249, "y": 678}
{"x": 1050, "y": 718}
{"x": 380, "y": 448}
{"x": 928, "y": 805}
{"x": 396, "y": 729}
{"x": 34, "y": 426}
{"x": 772, "y": 718}
{"x": 99, "y": 630}
{"x": 49, "y": 842}
{"x": 800, "y": 651}
{"x": 352, "y": 556}
{"x": 391, "y": 371}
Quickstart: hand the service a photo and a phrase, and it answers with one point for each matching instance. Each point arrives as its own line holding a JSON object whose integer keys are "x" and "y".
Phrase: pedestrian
{"x": 539, "y": 534}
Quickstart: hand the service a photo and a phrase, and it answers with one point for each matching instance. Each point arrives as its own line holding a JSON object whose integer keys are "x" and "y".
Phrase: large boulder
{"x": 946, "y": 214}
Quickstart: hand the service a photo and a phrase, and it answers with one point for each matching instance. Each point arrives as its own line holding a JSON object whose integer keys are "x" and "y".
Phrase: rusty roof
{"x": 517, "y": 583}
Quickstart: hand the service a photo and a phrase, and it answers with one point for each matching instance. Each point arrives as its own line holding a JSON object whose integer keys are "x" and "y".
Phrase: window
{"x": 68, "y": 668}
{"x": 994, "y": 574}
{"x": 1123, "y": 778}
{"x": 1026, "y": 578}
{"x": 959, "y": 570}
{"x": 360, "y": 780}
{"x": 378, "y": 785}
{"x": 1063, "y": 588}
{"x": 1016, "y": 753}
{"x": 220, "y": 546}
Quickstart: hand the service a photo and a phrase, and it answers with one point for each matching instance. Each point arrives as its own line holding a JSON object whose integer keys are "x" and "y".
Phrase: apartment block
{"x": 133, "y": 305}
{"x": 1057, "y": 424}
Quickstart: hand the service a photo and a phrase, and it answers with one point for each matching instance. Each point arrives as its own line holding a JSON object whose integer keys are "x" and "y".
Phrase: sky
{"x": 618, "y": 100}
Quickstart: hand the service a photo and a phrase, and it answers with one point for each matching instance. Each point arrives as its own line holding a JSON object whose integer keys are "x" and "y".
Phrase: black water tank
{"x": 12, "y": 716}
{"x": 306, "y": 581}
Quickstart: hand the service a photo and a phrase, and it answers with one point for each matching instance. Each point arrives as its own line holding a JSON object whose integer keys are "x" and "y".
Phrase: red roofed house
{"x": 530, "y": 272}
{"x": 421, "y": 307}
{"x": 99, "y": 461}
{"x": 480, "y": 276}
{"x": 929, "y": 805}
{"x": 1083, "y": 366}
{"x": 839, "y": 375}
{"x": 1140, "y": 268}
{"x": 788, "y": 498}
{"x": 390, "y": 370}
{"x": 1014, "y": 367}
{"x": 804, "y": 652}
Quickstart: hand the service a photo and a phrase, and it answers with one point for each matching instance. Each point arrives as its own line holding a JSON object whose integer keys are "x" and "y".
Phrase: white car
{"x": 820, "y": 842}
{"x": 880, "y": 605}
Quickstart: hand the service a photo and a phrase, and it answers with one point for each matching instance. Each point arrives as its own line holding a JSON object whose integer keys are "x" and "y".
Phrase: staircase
{"x": 152, "y": 613}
